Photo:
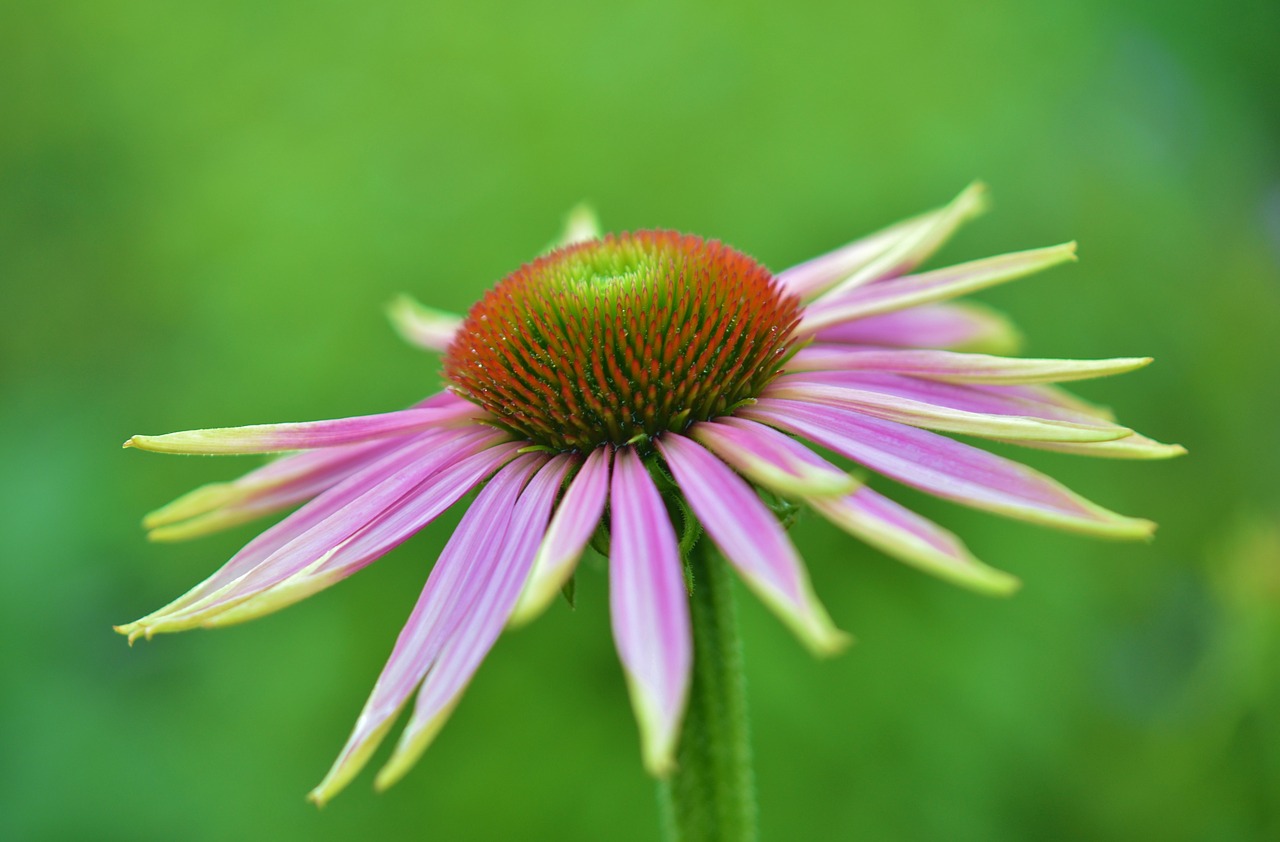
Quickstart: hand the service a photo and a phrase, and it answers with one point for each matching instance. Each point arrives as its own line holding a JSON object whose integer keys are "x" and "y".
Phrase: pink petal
{"x": 827, "y": 389}
{"x": 772, "y": 459}
{"x": 649, "y": 608}
{"x": 908, "y": 537}
{"x": 946, "y": 468}
{"x": 273, "y": 438}
{"x": 349, "y": 505}
{"x": 502, "y": 576}
{"x": 957, "y": 368}
{"x": 955, "y": 325}
{"x": 451, "y": 591}
{"x": 751, "y": 539}
{"x": 929, "y": 287}
{"x": 886, "y": 253}
{"x": 571, "y": 528}
{"x": 397, "y": 524}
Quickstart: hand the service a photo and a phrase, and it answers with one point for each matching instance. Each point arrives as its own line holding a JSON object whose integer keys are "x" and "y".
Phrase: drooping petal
{"x": 929, "y": 287}
{"x": 271, "y": 488}
{"x": 946, "y": 468}
{"x": 752, "y": 541}
{"x": 958, "y": 368}
{"x": 571, "y": 528}
{"x": 961, "y": 326}
{"x": 649, "y": 609}
{"x": 423, "y": 326}
{"x": 322, "y": 525}
{"x": 812, "y": 388}
{"x": 772, "y": 459}
{"x": 886, "y": 253}
{"x": 274, "y": 438}
{"x": 901, "y": 533}
{"x": 502, "y": 576}
{"x": 451, "y": 591}
{"x": 394, "y": 526}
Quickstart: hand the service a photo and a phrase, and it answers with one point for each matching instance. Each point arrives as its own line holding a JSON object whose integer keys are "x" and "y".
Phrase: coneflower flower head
{"x": 657, "y": 385}
{"x": 620, "y": 339}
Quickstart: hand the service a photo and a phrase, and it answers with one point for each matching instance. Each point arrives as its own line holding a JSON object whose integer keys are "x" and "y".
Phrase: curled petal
{"x": 926, "y": 288}
{"x": 946, "y": 468}
{"x": 649, "y": 609}
{"x": 571, "y": 528}
{"x": 451, "y": 590}
{"x": 423, "y": 326}
{"x": 752, "y": 541}
{"x": 580, "y": 226}
{"x": 908, "y": 537}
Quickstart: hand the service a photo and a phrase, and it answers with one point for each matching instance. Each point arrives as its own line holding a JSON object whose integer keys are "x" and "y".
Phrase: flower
{"x": 617, "y": 381}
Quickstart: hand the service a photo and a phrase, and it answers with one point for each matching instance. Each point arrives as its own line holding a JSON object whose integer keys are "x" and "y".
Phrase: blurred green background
{"x": 204, "y": 208}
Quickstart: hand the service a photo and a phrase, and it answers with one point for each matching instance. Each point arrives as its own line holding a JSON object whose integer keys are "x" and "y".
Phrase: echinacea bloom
{"x": 617, "y": 381}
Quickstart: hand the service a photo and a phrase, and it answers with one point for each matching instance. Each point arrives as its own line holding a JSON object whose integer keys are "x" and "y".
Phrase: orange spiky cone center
{"x": 620, "y": 339}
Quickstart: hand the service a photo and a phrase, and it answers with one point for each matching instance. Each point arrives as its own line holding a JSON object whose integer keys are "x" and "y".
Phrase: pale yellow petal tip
{"x": 580, "y": 225}
{"x": 134, "y": 630}
{"x": 660, "y": 761}
{"x": 132, "y": 441}
{"x": 998, "y": 584}
{"x": 829, "y": 642}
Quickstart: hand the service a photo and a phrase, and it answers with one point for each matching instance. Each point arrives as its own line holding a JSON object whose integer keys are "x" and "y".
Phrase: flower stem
{"x": 711, "y": 796}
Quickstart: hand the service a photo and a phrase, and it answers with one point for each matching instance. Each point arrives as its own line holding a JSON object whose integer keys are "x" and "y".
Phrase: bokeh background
{"x": 205, "y": 206}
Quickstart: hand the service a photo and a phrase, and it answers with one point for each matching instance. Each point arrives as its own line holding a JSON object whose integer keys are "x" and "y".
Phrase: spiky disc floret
{"x": 619, "y": 339}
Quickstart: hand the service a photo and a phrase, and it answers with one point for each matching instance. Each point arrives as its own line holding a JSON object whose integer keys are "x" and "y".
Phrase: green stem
{"x": 711, "y": 797}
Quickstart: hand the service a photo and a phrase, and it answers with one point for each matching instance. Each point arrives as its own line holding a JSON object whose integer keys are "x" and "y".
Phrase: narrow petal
{"x": 938, "y": 417}
{"x": 1036, "y": 401}
{"x": 218, "y": 506}
{"x": 273, "y": 438}
{"x": 503, "y": 576}
{"x": 772, "y": 459}
{"x": 901, "y": 533}
{"x": 571, "y": 528}
{"x": 349, "y": 505}
{"x": 886, "y": 253}
{"x": 450, "y": 592}
{"x": 958, "y": 368}
{"x": 946, "y": 468}
{"x": 960, "y": 326}
{"x": 926, "y": 288}
{"x": 752, "y": 541}
{"x": 649, "y": 608}
{"x": 423, "y": 326}
{"x": 285, "y": 579}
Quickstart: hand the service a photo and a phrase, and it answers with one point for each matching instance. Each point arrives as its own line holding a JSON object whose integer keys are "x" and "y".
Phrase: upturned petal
{"x": 887, "y": 253}
{"x": 649, "y": 608}
{"x": 929, "y": 287}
